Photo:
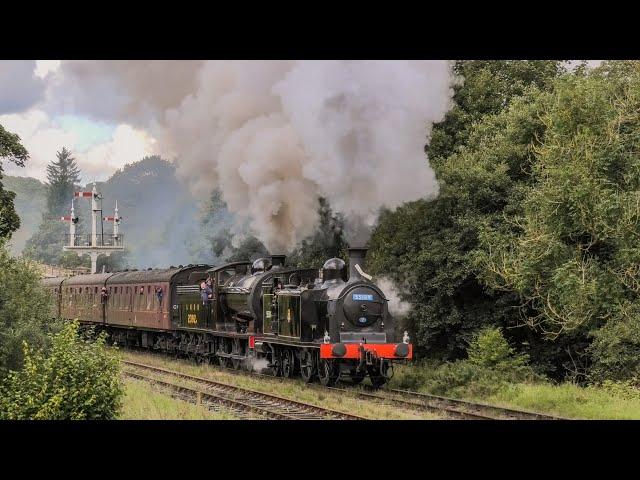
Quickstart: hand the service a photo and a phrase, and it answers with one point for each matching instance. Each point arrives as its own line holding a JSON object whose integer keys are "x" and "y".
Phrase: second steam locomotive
{"x": 322, "y": 324}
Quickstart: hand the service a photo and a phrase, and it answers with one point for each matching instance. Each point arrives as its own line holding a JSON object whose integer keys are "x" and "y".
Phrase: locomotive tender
{"x": 323, "y": 324}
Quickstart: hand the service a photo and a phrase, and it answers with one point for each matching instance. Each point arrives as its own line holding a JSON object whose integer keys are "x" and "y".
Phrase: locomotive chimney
{"x": 356, "y": 257}
{"x": 278, "y": 260}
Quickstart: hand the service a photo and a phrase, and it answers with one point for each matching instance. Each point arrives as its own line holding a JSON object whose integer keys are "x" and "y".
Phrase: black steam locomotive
{"x": 326, "y": 324}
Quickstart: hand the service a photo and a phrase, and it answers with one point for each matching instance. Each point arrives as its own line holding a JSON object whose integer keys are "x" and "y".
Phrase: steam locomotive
{"x": 322, "y": 324}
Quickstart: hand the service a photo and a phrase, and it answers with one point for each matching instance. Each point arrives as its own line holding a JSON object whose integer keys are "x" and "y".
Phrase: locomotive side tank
{"x": 242, "y": 297}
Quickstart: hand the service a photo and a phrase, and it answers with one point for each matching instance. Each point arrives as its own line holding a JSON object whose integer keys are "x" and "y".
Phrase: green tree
{"x": 486, "y": 87}
{"x": 249, "y": 249}
{"x": 327, "y": 242}
{"x": 489, "y": 349}
{"x": 570, "y": 248}
{"x": 478, "y": 154}
{"x": 29, "y": 202}
{"x": 76, "y": 379}
{"x": 63, "y": 176}
{"x": 12, "y": 150}
{"x": 45, "y": 245}
{"x": 24, "y": 310}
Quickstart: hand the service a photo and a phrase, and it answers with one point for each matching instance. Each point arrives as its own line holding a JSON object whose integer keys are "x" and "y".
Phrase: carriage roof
{"x": 156, "y": 275}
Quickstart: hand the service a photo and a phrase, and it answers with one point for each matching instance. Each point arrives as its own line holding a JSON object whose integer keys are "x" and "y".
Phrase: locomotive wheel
{"x": 307, "y": 366}
{"x": 378, "y": 379}
{"x": 328, "y": 373}
{"x": 288, "y": 363}
{"x": 276, "y": 361}
{"x": 378, "y": 382}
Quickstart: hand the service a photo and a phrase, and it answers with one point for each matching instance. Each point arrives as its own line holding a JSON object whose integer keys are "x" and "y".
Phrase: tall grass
{"x": 611, "y": 400}
{"x": 141, "y": 402}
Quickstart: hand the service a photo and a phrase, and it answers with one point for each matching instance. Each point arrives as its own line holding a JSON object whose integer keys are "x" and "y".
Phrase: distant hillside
{"x": 163, "y": 224}
{"x": 30, "y": 202}
{"x": 162, "y": 220}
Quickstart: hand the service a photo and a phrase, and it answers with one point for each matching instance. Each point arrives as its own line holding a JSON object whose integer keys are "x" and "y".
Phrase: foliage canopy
{"x": 75, "y": 379}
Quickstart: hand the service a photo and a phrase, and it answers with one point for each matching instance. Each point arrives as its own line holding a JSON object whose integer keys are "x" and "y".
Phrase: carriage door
{"x": 129, "y": 297}
{"x": 157, "y": 305}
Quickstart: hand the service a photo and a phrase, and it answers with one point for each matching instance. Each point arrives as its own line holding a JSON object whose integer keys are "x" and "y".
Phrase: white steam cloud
{"x": 273, "y": 136}
{"x": 397, "y": 307}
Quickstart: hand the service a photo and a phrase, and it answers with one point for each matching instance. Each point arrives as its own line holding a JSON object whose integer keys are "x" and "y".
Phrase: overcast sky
{"x": 46, "y": 124}
{"x": 106, "y": 113}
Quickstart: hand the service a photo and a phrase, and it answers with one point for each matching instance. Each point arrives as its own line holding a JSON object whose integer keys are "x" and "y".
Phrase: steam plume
{"x": 397, "y": 307}
{"x": 273, "y": 136}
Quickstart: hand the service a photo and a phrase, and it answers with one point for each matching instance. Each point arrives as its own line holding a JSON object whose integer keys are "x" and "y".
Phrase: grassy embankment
{"x": 142, "y": 402}
{"x": 295, "y": 390}
{"x": 610, "y": 401}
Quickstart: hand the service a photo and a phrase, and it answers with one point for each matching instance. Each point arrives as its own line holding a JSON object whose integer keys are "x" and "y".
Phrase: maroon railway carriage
{"x": 139, "y": 300}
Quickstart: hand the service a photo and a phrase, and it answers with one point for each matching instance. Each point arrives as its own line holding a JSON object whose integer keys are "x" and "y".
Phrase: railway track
{"x": 417, "y": 401}
{"x": 242, "y": 401}
{"x": 454, "y": 408}
{"x": 488, "y": 411}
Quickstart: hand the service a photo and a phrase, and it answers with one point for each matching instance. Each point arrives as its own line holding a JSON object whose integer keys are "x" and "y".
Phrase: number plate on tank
{"x": 362, "y": 296}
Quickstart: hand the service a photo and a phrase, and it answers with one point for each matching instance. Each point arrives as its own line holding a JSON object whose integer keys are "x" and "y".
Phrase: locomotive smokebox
{"x": 357, "y": 257}
{"x": 278, "y": 260}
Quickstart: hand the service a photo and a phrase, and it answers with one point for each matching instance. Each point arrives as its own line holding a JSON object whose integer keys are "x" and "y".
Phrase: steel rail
{"x": 292, "y": 409}
{"x": 418, "y": 401}
{"x": 484, "y": 409}
{"x": 210, "y": 400}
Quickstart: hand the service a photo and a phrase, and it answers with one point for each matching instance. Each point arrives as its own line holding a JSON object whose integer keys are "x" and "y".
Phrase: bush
{"x": 492, "y": 363}
{"x": 489, "y": 349}
{"x": 25, "y": 310}
{"x": 75, "y": 380}
{"x": 616, "y": 348}
{"x": 625, "y": 389}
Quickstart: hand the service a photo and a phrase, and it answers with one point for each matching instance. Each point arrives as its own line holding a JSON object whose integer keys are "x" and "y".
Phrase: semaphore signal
{"x": 84, "y": 194}
{"x": 96, "y": 244}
